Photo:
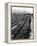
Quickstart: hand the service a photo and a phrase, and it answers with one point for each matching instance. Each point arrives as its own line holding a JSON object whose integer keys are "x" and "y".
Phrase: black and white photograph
{"x": 22, "y": 23}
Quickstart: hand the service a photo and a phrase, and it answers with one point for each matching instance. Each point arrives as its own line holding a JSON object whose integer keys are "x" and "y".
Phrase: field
{"x": 20, "y": 25}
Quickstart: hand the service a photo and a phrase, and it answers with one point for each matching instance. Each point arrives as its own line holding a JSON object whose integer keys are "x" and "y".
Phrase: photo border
{"x": 9, "y": 22}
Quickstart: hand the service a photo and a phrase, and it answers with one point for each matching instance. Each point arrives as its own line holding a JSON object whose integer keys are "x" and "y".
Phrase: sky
{"x": 22, "y": 10}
